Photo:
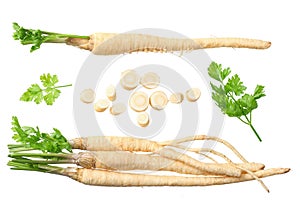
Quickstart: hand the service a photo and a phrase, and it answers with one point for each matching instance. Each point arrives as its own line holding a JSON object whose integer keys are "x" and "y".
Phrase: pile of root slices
{"x": 139, "y": 101}
{"x": 110, "y": 160}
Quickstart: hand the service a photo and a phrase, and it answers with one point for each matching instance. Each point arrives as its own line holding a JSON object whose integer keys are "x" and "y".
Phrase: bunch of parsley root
{"x": 113, "y": 160}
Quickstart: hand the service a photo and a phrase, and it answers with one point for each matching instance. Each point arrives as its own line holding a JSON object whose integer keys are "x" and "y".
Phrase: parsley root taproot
{"x": 126, "y": 153}
{"x": 122, "y": 160}
{"x": 112, "y": 178}
{"x": 112, "y": 44}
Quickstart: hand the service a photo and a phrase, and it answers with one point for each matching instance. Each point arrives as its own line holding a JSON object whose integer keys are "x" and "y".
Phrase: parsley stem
{"x": 45, "y": 161}
{"x": 258, "y": 137}
{"x": 243, "y": 121}
{"x": 62, "y": 86}
{"x": 42, "y": 155}
{"x": 21, "y": 149}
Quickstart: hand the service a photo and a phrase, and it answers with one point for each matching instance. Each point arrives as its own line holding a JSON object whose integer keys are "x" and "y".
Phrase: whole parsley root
{"x": 113, "y": 44}
{"x": 49, "y": 93}
{"x": 37, "y": 151}
{"x": 230, "y": 96}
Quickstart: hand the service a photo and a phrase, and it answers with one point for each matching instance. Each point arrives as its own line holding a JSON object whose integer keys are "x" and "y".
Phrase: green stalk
{"x": 20, "y": 149}
{"x": 37, "y": 37}
{"x": 62, "y": 86}
{"x": 17, "y": 164}
{"x": 41, "y": 155}
{"x": 248, "y": 121}
{"x": 45, "y": 161}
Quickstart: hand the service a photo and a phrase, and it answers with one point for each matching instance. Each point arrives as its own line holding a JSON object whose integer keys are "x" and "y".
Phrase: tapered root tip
{"x": 285, "y": 170}
{"x": 268, "y": 44}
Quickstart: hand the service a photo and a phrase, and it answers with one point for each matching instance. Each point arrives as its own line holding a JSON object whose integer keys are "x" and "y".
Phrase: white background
{"x": 277, "y": 117}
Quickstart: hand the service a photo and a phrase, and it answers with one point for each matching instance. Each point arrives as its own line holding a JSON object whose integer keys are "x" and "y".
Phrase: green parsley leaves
{"x": 37, "y": 37}
{"x": 230, "y": 96}
{"x": 32, "y": 139}
{"x": 49, "y": 93}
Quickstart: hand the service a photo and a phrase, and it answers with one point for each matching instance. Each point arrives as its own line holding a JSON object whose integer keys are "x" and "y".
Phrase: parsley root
{"x": 111, "y": 178}
{"x": 126, "y": 153}
{"x": 121, "y": 160}
{"x": 101, "y": 43}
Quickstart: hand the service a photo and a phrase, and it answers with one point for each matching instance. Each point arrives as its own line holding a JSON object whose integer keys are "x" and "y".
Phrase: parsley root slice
{"x": 129, "y": 79}
{"x": 176, "y": 98}
{"x": 111, "y": 92}
{"x": 230, "y": 95}
{"x": 139, "y": 101}
{"x": 158, "y": 100}
{"x": 111, "y": 178}
{"x": 48, "y": 93}
{"x": 143, "y": 119}
{"x": 101, "y": 105}
{"x": 101, "y": 43}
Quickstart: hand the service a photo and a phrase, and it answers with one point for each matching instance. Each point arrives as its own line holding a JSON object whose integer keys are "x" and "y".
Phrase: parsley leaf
{"x": 31, "y": 137}
{"x": 259, "y": 92}
{"x": 48, "y": 94}
{"x": 235, "y": 85}
{"x": 230, "y": 96}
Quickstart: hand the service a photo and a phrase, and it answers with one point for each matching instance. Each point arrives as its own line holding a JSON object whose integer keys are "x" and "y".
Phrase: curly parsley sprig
{"x": 230, "y": 96}
{"x": 48, "y": 93}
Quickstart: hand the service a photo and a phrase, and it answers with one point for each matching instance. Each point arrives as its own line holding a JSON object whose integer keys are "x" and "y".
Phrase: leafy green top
{"x": 231, "y": 97}
{"x": 37, "y": 37}
{"x": 31, "y": 138}
{"x": 49, "y": 93}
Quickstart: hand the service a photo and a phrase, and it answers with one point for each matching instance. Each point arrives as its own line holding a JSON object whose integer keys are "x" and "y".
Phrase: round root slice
{"x": 176, "y": 98}
{"x": 111, "y": 92}
{"x": 158, "y": 100}
{"x": 101, "y": 105}
{"x": 150, "y": 80}
{"x": 143, "y": 119}
{"x": 139, "y": 101}
{"x": 193, "y": 94}
{"x": 129, "y": 80}
{"x": 87, "y": 96}
{"x": 117, "y": 109}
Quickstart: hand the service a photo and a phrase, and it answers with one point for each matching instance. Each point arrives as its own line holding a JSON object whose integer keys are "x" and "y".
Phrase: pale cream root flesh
{"x": 101, "y": 105}
{"x": 193, "y": 94}
{"x": 176, "y": 97}
{"x": 122, "y": 160}
{"x": 111, "y": 92}
{"x": 112, "y": 44}
{"x": 87, "y": 96}
{"x": 117, "y": 108}
{"x": 150, "y": 80}
{"x": 129, "y": 79}
{"x": 108, "y": 178}
{"x": 110, "y": 143}
{"x": 139, "y": 101}
{"x": 158, "y": 100}
{"x": 143, "y": 119}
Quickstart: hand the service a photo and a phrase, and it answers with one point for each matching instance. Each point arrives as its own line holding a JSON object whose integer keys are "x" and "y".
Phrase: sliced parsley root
{"x": 49, "y": 93}
{"x": 230, "y": 96}
{"x": 37, "y": 37}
